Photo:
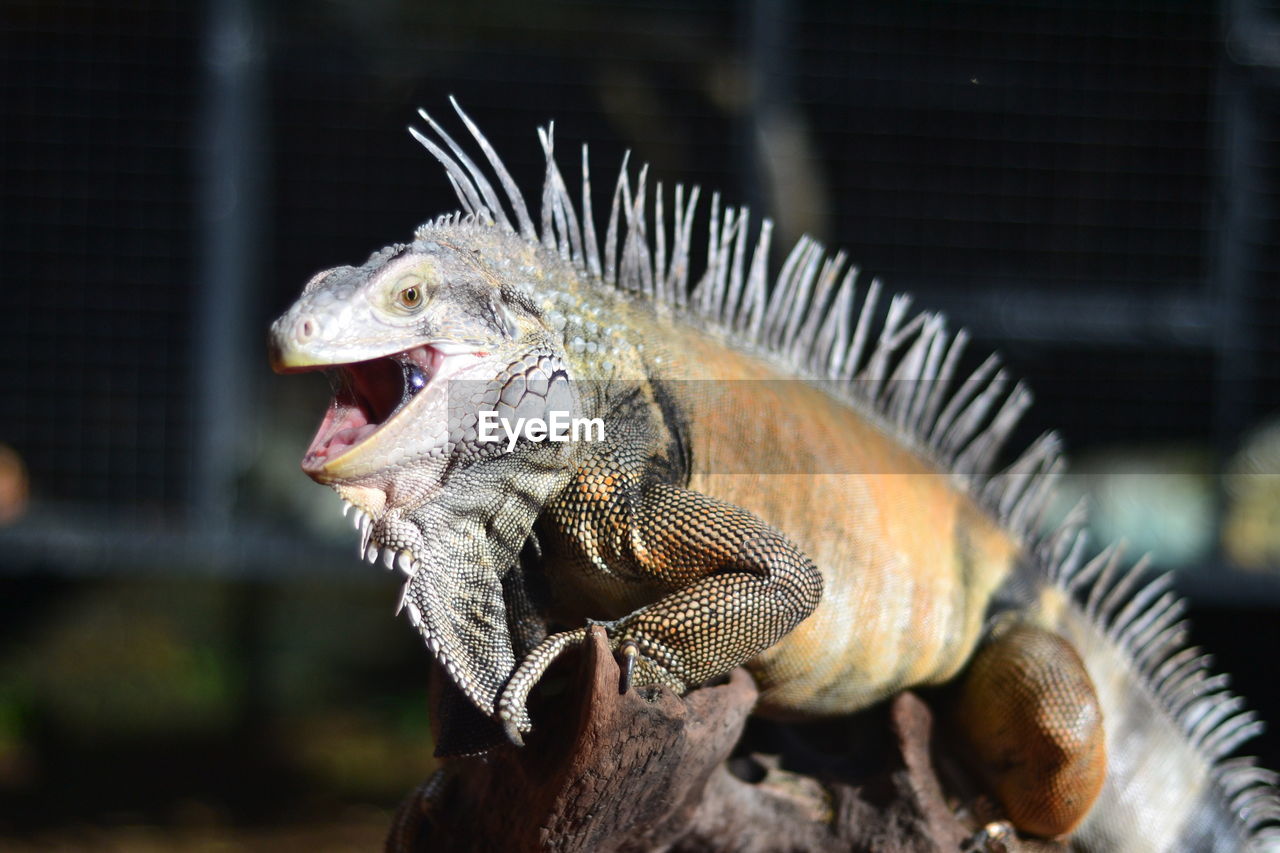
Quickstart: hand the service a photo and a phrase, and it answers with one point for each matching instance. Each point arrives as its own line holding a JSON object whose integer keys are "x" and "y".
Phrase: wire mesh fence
{"x": 1089, "y": 187}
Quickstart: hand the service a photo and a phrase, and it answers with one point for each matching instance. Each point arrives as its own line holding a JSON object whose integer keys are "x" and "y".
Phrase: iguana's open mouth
{"x": 368, "y": 394}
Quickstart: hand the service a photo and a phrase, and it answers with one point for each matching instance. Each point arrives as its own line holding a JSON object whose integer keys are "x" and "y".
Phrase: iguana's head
{"x": 417, "y": 342}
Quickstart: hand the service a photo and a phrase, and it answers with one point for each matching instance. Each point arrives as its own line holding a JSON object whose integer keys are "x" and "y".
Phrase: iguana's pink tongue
{"x": 344, "y": 426}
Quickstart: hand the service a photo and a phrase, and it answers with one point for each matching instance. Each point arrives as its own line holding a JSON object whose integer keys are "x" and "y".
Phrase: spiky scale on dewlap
{"x": 785, "y": 479}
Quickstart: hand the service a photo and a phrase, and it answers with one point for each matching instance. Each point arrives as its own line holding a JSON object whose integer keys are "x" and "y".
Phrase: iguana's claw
{"x": 996, "y": 837}
{"x": 514, "y": 717}
{"x": 512, "y": 731}
{"x": 629, "y": 651}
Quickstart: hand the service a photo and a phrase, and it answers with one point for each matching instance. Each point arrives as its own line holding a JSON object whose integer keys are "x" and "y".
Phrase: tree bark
{"x": 648, "y": 770}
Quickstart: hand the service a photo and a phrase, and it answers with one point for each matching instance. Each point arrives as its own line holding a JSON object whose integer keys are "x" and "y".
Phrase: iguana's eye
{"x": 411, "y": 297}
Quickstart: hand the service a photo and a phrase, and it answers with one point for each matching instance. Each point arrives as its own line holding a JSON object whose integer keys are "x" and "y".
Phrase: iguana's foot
{"x": 1033, "y": 725}
{"x": 638, "y": 670}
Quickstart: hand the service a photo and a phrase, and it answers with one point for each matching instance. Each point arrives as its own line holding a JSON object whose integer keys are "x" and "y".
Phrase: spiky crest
{"x": 811, "y": 322}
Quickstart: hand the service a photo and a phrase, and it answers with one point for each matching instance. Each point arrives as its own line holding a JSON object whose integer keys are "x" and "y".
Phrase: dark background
{"x": 189, "y": 649}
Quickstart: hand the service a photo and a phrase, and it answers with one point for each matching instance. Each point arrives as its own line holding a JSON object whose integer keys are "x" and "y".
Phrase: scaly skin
{"x": 736, "y": 511}
{"x": 684, "y": 556}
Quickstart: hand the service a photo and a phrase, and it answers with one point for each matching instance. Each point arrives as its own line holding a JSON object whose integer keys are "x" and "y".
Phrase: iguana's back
{"x": 909, "y": 561}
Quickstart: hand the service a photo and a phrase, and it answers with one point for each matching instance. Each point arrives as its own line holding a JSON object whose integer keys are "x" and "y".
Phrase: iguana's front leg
{"x": 736, "y": 586}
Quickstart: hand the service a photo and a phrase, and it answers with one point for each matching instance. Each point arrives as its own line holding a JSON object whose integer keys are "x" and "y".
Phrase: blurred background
{"x": 191, "y": 654}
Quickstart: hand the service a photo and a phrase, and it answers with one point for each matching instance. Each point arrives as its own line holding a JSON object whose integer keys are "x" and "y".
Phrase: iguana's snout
{"x": 300, "y": 340}
{"x": 341, "y": 319}
{"x": 289, "y": 343}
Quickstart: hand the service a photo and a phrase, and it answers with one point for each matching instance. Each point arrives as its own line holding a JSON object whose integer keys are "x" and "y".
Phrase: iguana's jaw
{"x": 382, "y": 410}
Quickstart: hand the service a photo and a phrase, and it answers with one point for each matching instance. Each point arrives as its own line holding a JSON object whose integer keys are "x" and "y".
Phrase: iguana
{"x": 788, "y": 479}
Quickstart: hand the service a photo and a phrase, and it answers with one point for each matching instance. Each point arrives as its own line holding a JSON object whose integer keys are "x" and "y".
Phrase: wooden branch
{"x": 649, "y": 771}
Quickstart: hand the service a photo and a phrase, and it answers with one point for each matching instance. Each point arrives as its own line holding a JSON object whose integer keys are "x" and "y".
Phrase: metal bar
{"x": 1235, "y": 237}
{"x": 228, "y": 153}
{"x": 763, "y": 33}
{"x": 1099, "y": 316}
{"x": 92, "y": 543}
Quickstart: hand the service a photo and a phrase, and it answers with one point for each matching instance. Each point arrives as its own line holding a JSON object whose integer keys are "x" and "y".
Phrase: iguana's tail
{"x": 1170, "y": 724}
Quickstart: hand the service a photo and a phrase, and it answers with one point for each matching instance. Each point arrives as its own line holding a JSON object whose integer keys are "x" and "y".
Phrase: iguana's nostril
{"x": 305, "y": 329}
